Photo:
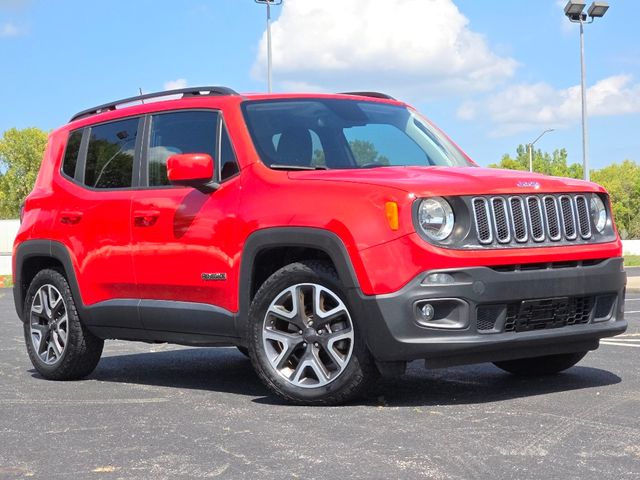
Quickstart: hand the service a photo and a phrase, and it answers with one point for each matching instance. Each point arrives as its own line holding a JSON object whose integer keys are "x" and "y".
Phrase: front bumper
{"x": 488, "y": 314}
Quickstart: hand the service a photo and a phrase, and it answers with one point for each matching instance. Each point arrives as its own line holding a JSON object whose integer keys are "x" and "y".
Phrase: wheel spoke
{"x": 321, "y": 315}
{"x": 296, "y": 315}
{"x": 55, "y": 345}
{"x": 58, "y": 308}
{"x": 287, "y": 342}
{"x": 40, "y": 332}
{"x": 297, "y": 373}
{"x": 46, "y": 302}
{"x": 36, "y": 306}
{"x": 63, "y": 335}
{"x": 318, "y": 367}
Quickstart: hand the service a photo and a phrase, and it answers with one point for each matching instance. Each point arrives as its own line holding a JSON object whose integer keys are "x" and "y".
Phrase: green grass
{"x": 632, "y": 260}
{"x": 6, "y": 281}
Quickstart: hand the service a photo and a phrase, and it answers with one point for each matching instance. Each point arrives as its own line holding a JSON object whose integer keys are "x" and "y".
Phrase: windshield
{"x": 337, "y": 134}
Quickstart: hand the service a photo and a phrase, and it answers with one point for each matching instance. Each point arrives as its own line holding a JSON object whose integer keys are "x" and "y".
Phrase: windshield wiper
{"x": 297, "y": 167}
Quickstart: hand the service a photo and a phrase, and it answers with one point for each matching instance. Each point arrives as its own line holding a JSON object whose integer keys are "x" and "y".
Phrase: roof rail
{"x": 185, "y": 92}
{"x": 369, "y": 94}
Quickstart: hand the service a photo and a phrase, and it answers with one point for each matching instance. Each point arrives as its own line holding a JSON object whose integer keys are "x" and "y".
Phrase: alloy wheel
{"x": 308, "y": 335}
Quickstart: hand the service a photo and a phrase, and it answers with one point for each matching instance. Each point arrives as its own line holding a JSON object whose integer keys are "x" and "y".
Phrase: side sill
{"x": 162, "y": 316}
{"x": 188, "y": 339}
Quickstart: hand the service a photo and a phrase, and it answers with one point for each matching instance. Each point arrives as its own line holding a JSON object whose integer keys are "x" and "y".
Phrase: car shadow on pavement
{"x": 482, "y": 383}
{"x": 227, "y": 370}
{"x": 209, "y": 369}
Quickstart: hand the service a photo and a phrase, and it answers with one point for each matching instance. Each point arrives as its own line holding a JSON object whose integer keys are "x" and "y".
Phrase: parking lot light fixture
{"x": 573, "y": 9}
{"x": 598, "y": 9}
{"x": 530, "y": 145}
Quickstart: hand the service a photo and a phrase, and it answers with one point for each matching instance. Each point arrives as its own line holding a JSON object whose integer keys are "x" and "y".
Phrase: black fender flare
{"x": 43, "y": 248}
{"x": 317, "y": 238}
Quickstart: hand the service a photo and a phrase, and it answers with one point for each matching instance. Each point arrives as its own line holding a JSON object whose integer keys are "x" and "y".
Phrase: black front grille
{"x": 512, "y": 220}
{"x": 548, "y": 313}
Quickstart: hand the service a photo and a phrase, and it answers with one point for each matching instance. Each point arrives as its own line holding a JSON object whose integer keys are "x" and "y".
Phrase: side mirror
{"x": 192, "y": 170}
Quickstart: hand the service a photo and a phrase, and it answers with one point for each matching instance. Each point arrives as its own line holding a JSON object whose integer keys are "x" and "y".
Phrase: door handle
{"x": 70, "y": 217}
{"x": 145, "y": 218}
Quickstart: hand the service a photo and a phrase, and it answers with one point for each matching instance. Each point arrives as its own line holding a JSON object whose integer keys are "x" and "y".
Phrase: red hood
{"x": 429, "y": 181}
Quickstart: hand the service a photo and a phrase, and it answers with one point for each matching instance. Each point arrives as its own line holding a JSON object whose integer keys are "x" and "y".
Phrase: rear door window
{"x": 110, "y": 154}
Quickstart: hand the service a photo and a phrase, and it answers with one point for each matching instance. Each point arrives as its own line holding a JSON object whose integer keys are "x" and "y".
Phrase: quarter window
{"x": 71, "y": 153}
{"x": 179, "y": 132}
{"x": 110, "y": 154}
{"x": 228, "y": 162}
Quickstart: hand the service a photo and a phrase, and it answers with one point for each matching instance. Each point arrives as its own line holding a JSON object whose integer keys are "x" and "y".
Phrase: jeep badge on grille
{"x": 531, "y": 184}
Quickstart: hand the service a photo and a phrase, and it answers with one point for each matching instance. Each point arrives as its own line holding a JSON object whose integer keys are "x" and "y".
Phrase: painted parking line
{"x": 633, "y": 311}
{"x": 623, "y": 340}
{"x": 619, "y": 344}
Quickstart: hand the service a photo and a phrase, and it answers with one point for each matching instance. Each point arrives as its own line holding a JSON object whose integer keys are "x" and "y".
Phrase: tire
{"x": 59, "y": 345}
{"x": 314, "y": 355}
{"x": 538, "y": 366}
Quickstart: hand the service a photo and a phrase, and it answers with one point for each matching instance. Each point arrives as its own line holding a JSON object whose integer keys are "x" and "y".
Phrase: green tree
{"x": 549, "y": 164}
{"x": 622, "y": 181}
{"x": 363, "y": 151}
{"x": 20, "y": 157}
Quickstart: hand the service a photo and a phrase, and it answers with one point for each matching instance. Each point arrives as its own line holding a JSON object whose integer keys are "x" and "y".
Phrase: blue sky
{"x": 492, "y": 74}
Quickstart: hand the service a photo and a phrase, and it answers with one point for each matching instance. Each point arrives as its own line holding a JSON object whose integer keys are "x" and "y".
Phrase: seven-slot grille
{"x": 531, "y": 218}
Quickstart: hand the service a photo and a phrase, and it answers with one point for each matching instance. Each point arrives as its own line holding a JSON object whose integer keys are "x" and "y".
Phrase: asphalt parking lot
{"x": 160, "y": 411}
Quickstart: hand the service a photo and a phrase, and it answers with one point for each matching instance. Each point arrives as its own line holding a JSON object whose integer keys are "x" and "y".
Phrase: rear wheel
{"x": 304, "y": 343}
{"x": 59, "y": 346}
{"x": 547, "y": 365}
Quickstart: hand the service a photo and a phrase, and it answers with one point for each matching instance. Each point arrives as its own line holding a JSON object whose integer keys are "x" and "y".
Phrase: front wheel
{"x": 537, "y": 366}
{"x": 304, "y": 343}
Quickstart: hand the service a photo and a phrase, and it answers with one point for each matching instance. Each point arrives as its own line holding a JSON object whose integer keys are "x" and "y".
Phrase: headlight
{"x": 598, "y": 213}
{"x": 435, "y": 218}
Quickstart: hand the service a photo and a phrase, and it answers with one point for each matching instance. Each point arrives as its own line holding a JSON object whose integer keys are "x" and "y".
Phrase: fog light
{"x": 426, "y": 312}
{"x": 442, "y": 278}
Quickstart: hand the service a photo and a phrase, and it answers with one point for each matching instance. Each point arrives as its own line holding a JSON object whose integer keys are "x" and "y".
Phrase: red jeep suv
{"x": 331, "y": 238}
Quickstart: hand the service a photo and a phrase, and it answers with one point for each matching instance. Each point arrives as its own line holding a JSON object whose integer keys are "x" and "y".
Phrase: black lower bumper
{"x": 483, "y": 314}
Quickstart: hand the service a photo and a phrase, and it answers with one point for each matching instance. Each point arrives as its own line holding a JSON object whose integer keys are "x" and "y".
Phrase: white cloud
{"x": 9, "y": 30}
{"x": 525, "y": 107}
{"x": 175, "y": 84}
{"x": 419, "y": 48}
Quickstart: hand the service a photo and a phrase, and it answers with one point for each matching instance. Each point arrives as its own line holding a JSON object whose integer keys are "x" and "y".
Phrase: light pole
{"x": 531, "y": 147}
{"x": 573, "y": 10}
{"x": 268, "y": 3}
